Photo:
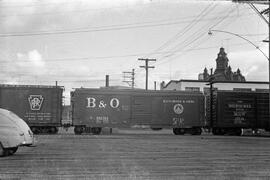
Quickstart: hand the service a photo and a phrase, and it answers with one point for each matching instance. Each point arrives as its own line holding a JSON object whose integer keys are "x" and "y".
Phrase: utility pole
{"x": 211, "y": 82}
{"x": 129, "y": 77}
{"x": 107, "y": 81}
{"x": 146, "y": 67}
{"x": 269, "y": 56}
{"x": 211, "y": 98}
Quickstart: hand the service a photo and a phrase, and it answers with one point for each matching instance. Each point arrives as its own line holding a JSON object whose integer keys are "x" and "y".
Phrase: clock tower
{"x": 221, "y": 62}
{"x": 223, "y": 71}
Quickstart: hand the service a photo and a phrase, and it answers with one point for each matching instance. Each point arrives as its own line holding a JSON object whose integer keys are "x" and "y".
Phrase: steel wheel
{"x": 238, "y": 132}
{"x": 182, "y": 131}
{"x": 196, "y": 131}
{"x": 179, "y": 131}
{"x": 78, "y": 130}
{"x": 156, "y": 129}
{"x": 53, "y": 130}
{"x": 96, "y": 130}
{"x": 35, "y": 130}
{"x": 175, "y": 131}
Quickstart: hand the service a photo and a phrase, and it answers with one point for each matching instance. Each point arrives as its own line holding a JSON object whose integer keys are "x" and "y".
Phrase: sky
{"x": 78, "y": 42}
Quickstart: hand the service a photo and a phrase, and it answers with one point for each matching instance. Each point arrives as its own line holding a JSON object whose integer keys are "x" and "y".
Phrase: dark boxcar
{"x": 233, "y": 111}
{"x": 97, "y": 108}
{"x": 263, "y": 119}
{"x": 39, "y": 106}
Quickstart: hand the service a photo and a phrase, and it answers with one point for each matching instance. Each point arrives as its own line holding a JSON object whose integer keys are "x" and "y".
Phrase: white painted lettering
{"x": 91, "y": 102}
{"x": 114, "y": 103}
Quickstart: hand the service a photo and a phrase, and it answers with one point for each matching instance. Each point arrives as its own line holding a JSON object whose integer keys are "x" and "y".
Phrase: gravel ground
{"x": 140, "y": 154}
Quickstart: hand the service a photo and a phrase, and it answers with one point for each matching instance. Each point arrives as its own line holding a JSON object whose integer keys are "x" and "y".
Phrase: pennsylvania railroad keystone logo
{"x": 35, "y": 102}
{"x": 178, "y": 108}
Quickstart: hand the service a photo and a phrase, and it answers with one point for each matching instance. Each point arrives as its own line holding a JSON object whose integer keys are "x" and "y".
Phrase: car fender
{"x": 10, "y": 137}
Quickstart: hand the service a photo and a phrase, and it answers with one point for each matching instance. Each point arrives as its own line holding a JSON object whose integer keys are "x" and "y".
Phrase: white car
{"x": 14, "y": 132}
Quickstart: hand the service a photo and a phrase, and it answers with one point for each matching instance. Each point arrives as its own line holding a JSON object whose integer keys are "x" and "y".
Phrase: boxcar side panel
{"x": 178, "y": 111}
{"x": 236, "y": 109}
{"x": 111, "y": 108}
{"x": 263, "y": 121}
{"x": 99, "y": 109}
{"x": 37, "y": 106}
{"x": 141, "y": 110}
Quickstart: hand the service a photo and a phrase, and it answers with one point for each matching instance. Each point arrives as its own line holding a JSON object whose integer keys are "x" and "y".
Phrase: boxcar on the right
{"x": 233, "y": 111}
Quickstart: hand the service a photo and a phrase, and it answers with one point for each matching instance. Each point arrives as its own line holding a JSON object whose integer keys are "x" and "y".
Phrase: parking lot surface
{"x": 140, "y": 154}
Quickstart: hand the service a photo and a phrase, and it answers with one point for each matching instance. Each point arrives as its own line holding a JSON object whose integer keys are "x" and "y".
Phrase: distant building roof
{"x": 204, "y": 81}
{"x": 118, "y": 87}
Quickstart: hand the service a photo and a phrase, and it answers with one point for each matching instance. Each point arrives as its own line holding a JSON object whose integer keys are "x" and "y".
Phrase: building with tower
{"x": 223, "y": 76}
{"x": 223, "y": 71}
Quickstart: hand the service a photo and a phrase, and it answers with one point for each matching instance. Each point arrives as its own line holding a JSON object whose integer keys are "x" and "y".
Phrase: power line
{"x": 99, "y": 28}
{"x": 70, "y": 11}
{"x": 76, "y": 59}
{"x": 194, "y": 38}
{"x": 203, "y": 13}
{"x": 15, "y": 5}
{"x": 70, "y": 78}
{"x": 42, "y": 5}
{"x": 190, "y": 39}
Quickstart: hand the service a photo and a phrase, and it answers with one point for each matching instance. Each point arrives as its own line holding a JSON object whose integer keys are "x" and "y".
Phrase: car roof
{"x": 8, "y": 117}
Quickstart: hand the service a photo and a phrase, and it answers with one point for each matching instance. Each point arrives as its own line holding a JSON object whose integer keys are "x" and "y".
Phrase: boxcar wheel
{"x": 78, "y": 130}
{"x": 196, "y": 131}
{"x": 182, "y": 131}
{"x": 179, "y": 131}
{"x": 218, "y": 131}
{"x": 96, "y": 130}
{"x": 199, "y": 131}
{"x": 156, "y": 129}
{"x": 215, "y": 131}
{"x": 238, "y": 132}
{"x": 53, "y": 130}
{"x": 35, "y": 130}
{"x": 175, "y": 131}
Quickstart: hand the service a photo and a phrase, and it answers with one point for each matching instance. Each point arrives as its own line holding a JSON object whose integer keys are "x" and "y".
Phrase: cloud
{"x": 29, "y": 64}
{"x": 253, "y": 65}
{"x": 33, "y": 57}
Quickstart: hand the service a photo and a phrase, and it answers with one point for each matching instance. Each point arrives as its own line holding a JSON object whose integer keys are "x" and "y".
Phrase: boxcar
{"x": 233, "y": 111}
{"x": 96, "y": 108}
{"x": 39, "y": 106}
{"x": 262, "y": 103}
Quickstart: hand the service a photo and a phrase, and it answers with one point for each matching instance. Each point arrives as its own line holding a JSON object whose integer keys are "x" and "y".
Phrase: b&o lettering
{"x": 91, "y": 102}
{"x": 114, "y": 103}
